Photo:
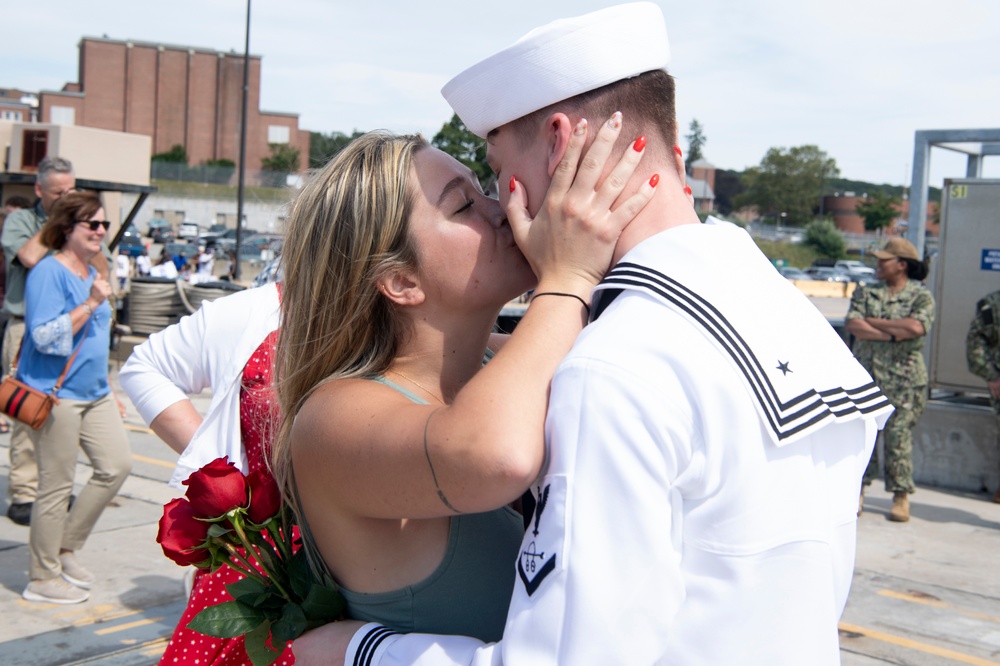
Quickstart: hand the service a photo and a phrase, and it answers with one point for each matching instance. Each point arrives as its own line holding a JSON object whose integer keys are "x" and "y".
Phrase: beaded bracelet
{"x": 559, "y": 293}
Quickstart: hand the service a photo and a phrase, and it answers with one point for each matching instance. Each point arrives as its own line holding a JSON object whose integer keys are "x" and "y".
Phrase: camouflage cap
{"x": 897, "y": 248}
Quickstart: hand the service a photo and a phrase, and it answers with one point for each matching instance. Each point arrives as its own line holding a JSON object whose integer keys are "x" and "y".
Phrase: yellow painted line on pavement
{"x": 127, "y": 626}
{"x": 85, "y": 614}
{"x": 936, "y": 603}
{"x": 926, "y": 648}
{"x": 154, "y": 461}
{"x": 99, "y": 615}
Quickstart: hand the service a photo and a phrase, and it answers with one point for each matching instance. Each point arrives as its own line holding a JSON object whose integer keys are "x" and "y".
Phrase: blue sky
{"x": 855, "y": 77}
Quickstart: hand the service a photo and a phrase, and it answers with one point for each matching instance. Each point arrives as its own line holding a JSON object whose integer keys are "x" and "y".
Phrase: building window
{"x": 34, "y": 148}
{"x": 7, "y": 114}
{"x": 277, "y": 134}
{"x": 63, "y": 115}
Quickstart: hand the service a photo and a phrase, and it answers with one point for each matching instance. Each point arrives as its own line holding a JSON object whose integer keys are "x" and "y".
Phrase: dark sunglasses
{"x": 93, "y": 224}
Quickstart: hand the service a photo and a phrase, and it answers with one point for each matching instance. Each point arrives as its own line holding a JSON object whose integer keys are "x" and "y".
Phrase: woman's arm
{"x": 901, "y": 329}
{"x": 51, "y": 327}
{"x": 482, "y": 451}
{"x": 862, "y": 330}
{"x": 100, "y": 290}
{"x": 163, "y": 371}
{"x": 177, "y": 424}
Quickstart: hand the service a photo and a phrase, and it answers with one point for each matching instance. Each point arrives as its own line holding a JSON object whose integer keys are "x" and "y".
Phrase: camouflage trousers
{"x": 897, "y": 439}
{"x": 995, "y": 403}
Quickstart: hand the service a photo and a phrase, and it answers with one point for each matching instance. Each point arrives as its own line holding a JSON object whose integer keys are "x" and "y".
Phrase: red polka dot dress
{"x": 257, "y": 410}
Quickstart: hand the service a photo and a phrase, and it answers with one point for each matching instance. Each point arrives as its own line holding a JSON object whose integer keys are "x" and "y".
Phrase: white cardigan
{"x": 208, "y": 349}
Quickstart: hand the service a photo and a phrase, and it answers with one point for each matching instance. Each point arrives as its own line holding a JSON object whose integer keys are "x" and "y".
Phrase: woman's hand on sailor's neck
{"x": 571, "y": 240}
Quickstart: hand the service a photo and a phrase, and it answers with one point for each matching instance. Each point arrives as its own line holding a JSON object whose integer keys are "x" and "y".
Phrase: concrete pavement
{"x": 925, "y": 592}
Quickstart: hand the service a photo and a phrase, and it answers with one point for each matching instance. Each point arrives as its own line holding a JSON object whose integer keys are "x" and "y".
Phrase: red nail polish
{"x": 687, "y": 190}
{"x": 639, "y": 144}
{"x": 513, "y": 184}
{"x": 680, "y": 153}
{"x": 654, "y": 181}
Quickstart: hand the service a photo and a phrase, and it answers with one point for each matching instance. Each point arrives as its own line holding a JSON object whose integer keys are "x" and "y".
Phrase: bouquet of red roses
{"x": 239, "y": 521}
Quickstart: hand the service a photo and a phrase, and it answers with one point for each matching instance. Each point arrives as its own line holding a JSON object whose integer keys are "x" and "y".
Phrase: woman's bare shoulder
{"x": 341, "y": 404}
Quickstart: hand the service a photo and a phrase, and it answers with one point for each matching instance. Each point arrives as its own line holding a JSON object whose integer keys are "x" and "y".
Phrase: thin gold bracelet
{"x": 559, "y": 293}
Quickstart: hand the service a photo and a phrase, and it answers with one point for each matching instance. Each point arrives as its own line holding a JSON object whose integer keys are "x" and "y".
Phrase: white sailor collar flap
{"x": 800, "y": 373}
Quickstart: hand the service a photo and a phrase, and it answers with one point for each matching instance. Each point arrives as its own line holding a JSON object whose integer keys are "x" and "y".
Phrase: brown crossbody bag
{"x": 29, "y": 405}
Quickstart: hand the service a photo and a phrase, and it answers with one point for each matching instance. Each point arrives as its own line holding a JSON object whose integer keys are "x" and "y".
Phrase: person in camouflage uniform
{"x": 890, "y": 322}
{"x": 982, "y": 352}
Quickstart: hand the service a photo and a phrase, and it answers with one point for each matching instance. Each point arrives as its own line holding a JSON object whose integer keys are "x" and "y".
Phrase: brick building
{"x": 843, "y": 207}
{"x": 701, "y": 180}
{"x": 176, "y": 95}
{"x": 18, "y": 106}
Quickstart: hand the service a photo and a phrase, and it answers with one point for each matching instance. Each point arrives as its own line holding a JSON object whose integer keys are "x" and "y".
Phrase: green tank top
{"x": 467, "y": 594}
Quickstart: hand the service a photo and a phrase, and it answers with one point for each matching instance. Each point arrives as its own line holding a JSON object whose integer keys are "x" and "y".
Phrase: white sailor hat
{"x": 557, "y": 61}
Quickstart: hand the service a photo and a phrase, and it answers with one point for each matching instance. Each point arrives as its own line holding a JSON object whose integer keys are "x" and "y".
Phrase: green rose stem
{"x": 274, "y": 529}
{"x": 269, "y": 560}
{"x": 238, "y": 528}
{"x": 287, "y": 526}
{"x": 247, "y": 569}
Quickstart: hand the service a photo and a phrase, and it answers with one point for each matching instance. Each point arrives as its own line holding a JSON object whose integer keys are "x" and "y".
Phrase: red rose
{"x": 180, "y": 533}
{"x": 217, "y": 488}
{"x": 265, "y": 499}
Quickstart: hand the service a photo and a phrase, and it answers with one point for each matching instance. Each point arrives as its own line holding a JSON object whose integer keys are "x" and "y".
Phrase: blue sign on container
{"x": 991, "y": 260}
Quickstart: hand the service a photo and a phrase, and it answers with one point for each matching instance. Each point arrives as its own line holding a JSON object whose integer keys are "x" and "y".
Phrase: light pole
{"x": 243, "y": 148}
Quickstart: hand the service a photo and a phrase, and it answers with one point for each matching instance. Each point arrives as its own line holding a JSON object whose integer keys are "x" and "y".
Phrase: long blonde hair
{"x": 347, "y": 228}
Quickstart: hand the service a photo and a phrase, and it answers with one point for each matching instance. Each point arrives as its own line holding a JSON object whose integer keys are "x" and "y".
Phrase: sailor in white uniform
{"x": 707, "y": 434}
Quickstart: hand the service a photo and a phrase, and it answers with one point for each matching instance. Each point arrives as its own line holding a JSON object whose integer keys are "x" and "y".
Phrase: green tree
{"x": 696, "y": 140}
{"x": 788, "y": 181}
{"x": 878, "y": 209}
{"x": 176, "y": 155}
{"x": 728, "y": 186}
{"x": 823, "y": 235}
{"x": 283, "y": 158}
{"x": 322, "y": 147}
{"x": 456, "y": 140}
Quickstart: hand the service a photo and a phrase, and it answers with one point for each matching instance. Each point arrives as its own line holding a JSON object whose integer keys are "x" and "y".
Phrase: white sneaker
{"x": 74, "y": 572}
{"x": 54, "y": 591}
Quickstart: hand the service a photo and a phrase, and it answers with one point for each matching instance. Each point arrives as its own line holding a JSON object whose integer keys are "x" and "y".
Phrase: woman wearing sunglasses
{"x": 66, "y": 311}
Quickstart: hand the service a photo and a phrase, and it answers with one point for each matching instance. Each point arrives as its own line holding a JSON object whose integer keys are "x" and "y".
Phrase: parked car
{"x": 188, "y": 230}
{"x": 131, "y": 244}
{"x": 793, "y": 273}
{"x": 854, "y": 266}
{"x": 217, "y": 233}
{"x": 160, "y": 231}
{"x": 827, "y": 274}
{"x": 864, "y": 278}
{"x": 253, "y": 245}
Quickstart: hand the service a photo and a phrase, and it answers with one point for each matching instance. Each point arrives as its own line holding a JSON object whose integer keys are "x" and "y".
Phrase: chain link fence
{"x": 216, "y": 175}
